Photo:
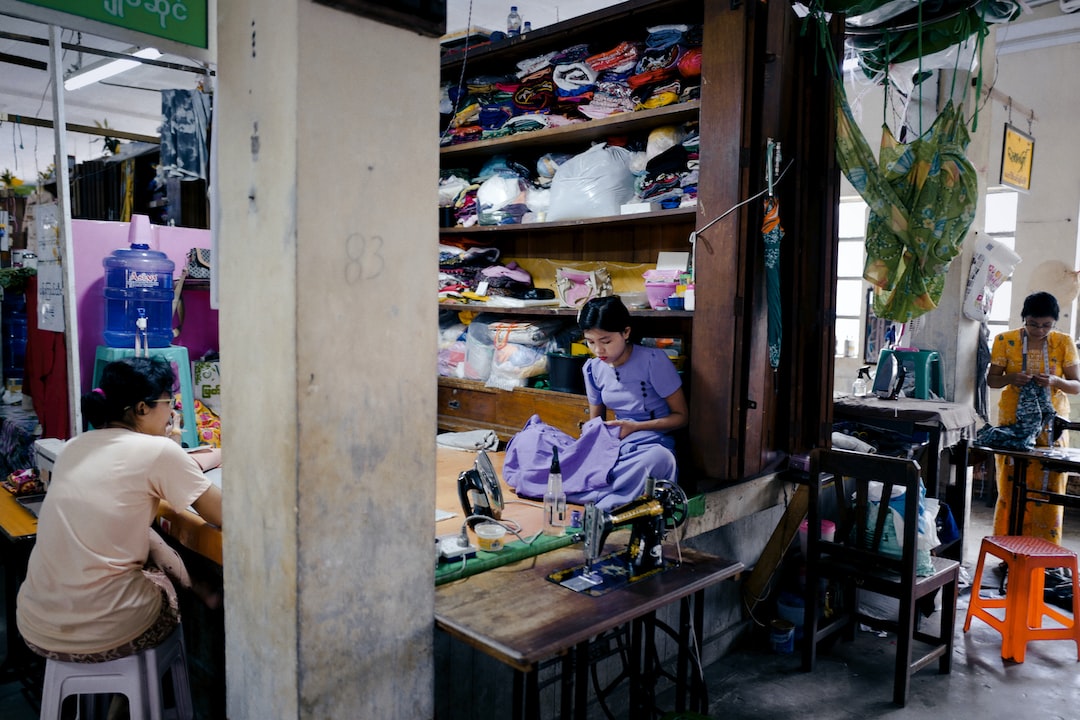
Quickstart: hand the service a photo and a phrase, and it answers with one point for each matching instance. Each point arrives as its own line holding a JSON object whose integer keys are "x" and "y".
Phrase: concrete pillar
{"x": 327, "y": 125}
{"x": 947, "y": 329}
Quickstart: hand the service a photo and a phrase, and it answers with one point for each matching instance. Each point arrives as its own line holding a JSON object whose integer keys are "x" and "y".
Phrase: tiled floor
{"x": 854, "y": 680}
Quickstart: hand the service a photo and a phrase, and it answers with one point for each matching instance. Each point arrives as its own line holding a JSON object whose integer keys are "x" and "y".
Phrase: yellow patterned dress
{"x": 1040, "y": 519}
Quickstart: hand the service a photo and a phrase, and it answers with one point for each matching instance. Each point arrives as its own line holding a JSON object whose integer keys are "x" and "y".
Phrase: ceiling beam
{"x": 1037, "y": 34}
{"x": 85, "y": 129}
{"x": 24, "y": 62}
{"x": 32, "y": 40}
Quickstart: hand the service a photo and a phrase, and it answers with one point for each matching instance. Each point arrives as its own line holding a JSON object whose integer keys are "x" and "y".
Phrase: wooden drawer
{"x": 469, "y": 405}
{"x": 566, "y": 411}
{"x": 474, "y": 402}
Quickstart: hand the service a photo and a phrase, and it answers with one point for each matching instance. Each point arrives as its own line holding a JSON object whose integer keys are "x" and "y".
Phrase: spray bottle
{"x": 554, "y": 499}
{"x": 861, "y": 386}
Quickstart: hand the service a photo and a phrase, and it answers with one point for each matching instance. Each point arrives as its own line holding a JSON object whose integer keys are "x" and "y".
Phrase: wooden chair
{"x": 855, "y": 561}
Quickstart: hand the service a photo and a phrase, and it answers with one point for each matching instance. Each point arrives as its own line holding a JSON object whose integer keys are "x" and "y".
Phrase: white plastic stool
{"x": 136, "y": 676}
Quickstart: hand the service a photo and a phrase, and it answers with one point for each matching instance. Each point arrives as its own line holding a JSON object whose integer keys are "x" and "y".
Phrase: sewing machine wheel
{"x": 677, "y": 498}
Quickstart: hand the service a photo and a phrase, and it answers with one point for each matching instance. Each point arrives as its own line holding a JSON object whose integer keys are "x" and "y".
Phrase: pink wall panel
{"x": 93, "y": 241}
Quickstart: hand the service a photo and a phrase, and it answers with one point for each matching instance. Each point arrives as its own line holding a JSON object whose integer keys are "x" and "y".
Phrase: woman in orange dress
{"x": 1033, "y": 353}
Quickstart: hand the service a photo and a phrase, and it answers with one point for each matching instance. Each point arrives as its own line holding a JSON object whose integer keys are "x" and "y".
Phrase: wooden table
{"x": 949, "y": 428}
{"x": 520, "y": 618}
{"x": 190, "y": 530}
{"x": 18, "y": 529}
{"x": 1058, "y": 459}
{"x": 527, "y": 513}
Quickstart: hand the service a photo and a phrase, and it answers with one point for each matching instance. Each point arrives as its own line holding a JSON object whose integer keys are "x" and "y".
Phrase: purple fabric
{"x": 642, "y": 455}
{"x": 596, "y": 467}
{"x": 584, "y": 462}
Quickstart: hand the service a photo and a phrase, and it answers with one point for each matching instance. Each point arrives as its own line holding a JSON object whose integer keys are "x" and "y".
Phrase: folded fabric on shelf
{"x": 573, "y": 77}
{"x": 621, "y": 58}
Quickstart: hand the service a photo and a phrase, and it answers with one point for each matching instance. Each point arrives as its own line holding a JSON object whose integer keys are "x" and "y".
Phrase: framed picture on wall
{"x": 1017, "y": 156}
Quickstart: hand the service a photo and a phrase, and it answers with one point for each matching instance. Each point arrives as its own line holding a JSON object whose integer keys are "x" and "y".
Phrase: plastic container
{"x": 782, "y": 636}
{"x": 489, "y": 536}
{"x": 635, "y": 300}
{"x": 828, "y": 530}
{"x": 565, "y": 372}
{"x": 13, "y": 311}
{"x": 138, "y": 283}
{"x": 658, "y": 293}
{"x": 858, "y": 388}
{"x": 554, "y": 499}
{"x": 792, "y": 608}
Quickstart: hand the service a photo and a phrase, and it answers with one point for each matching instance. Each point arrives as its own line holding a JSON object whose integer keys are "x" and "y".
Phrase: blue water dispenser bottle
{"x": 138, "y": 292}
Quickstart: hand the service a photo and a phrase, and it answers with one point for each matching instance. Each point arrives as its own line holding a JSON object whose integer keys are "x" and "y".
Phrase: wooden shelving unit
{"x": 757, "y": 81}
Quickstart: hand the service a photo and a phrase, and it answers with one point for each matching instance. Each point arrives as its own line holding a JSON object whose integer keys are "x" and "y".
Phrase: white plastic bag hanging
{"x": 992, "y": 265}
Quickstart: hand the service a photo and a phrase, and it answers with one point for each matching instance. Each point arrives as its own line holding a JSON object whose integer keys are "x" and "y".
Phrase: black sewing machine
{"x": 1058, "y": 425}
{"x": 663, "y": 507}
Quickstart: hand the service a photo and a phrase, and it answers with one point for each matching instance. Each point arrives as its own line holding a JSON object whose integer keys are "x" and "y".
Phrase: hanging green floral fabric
{"x": 922, "y": 197}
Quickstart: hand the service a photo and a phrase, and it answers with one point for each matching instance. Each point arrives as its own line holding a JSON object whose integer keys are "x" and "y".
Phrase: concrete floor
{"x": 854, "y": 680}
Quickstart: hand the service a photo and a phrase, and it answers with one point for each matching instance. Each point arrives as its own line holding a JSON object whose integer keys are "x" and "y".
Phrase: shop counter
{"x": 18, "y": 528}
{"x": 189, "y": 529}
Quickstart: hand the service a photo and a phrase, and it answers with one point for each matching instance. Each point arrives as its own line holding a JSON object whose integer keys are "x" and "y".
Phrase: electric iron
{"x": 479, "y": 490}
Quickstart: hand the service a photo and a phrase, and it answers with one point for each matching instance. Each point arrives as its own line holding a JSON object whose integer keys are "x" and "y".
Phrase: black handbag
{"x": 198, "y": 263}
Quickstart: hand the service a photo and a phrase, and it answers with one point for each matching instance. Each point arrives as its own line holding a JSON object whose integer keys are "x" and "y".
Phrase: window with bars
{"x": 850, "y": 294}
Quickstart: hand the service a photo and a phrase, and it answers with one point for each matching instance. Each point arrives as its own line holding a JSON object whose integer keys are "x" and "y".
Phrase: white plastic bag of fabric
{"x": 595, "y": 183}
{"x": 452, "y": 359}
{"x": 478, "y": 350}
{"x": 892, "y": 542}
{"x": 450, "y": 188}
{"x": 498, "y": 191}
{"x": 513, "y": 364}
{"x": 992, "y": 265}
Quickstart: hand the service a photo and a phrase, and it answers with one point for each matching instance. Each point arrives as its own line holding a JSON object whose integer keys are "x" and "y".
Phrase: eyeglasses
{"x": 1039, "y": 326}
{"x": 161, "y": 400}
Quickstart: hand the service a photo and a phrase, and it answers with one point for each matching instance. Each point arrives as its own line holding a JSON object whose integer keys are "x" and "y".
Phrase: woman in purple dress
{"x": 641, "y": 388}
{"x": 610, "y": 461}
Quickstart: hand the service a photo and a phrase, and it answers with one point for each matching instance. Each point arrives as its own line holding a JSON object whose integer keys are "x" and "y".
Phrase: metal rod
{"x": 67, "y": 263}
{"x": 85, "y": 129}
{"x": 885, "y": 28}
{"x": 24, "y": 62}
{"x": 198, "y": 69}
{"x": 1008, "y": 102}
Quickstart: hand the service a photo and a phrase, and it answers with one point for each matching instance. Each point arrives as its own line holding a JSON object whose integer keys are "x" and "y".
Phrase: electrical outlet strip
{"x": 451, "y": 547}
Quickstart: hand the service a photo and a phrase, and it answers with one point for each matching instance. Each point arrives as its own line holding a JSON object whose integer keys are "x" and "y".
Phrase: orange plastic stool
{"x": 1026, "y": 558}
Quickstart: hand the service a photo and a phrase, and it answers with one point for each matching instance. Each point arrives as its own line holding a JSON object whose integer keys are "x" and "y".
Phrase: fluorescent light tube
{"x": 99, "y": 71}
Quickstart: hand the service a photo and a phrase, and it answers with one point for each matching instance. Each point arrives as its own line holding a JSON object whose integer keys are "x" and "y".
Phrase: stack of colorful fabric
{"x": 575, "y": 84}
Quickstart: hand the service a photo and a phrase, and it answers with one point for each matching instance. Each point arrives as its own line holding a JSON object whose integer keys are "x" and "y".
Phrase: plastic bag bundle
{"x": 452, "y": 359}
{"x": 513, "y": 364}
{"x": 992, "y": 265}
{"x": 893, "y": 539}
{"x": 595, "y": 183}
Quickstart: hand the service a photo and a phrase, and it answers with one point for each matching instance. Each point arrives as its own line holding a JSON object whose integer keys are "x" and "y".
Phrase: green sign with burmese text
{"x": 182, "y": 21}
